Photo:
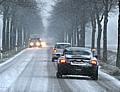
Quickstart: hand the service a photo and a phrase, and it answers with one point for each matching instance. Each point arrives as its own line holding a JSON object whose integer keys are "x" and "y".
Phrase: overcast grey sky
{"x": 46, "y": 9}
{"x": 112, "y": 24}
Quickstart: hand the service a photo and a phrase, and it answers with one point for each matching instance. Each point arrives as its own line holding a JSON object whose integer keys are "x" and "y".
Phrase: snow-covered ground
{"x": 31, "y": 71}
{"x": 9, "y": 73}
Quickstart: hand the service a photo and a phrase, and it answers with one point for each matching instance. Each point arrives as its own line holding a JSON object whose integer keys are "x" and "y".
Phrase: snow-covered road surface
{"x": 32, "y": 71}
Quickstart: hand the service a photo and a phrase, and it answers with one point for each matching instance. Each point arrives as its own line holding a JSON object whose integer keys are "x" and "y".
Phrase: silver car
{"x": 58, "y": 50}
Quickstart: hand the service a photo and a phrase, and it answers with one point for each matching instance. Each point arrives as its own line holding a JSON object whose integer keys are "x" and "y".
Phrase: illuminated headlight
{"x": 94, "y": 61}
{"x": 37, "y": 43}
{"x": 43, "y": 44}
{"x": 31, "y": 43}
{"x": 62, "y": 61}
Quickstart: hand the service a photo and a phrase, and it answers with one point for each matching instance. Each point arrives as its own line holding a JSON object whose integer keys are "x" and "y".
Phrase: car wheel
{"x": 58, "y": 75}
{"x": 95, "y": 75}
{"x": 53, "y": 59}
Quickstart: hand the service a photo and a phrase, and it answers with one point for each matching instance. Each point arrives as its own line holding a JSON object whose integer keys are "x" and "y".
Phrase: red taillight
{"x": 63, "y": 61}
{"x": 54, "y": 50}
{"x": 94, "y": 62}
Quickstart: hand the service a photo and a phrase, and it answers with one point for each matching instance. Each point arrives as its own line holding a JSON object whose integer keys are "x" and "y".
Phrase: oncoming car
{"x": 77, "y": 61}
{"x": 58, "y": 50}
{"x": 35, "y": 42}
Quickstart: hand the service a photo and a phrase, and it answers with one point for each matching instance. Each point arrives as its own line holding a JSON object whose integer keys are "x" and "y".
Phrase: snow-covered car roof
{"x": 62, "y": 43}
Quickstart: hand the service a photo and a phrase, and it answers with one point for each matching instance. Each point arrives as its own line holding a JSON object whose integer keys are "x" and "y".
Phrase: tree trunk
{"x": 93, "y": 20}
{"x": 118, "y": 48}
{"x": 19, "y": 43}
{"x": 25, "y": 37}
{"x": 14, "y": 41}
{"x": 12, "y": 35}
{"x": 105, "y": 32}
{"x": 74, "y": 37}
{"x": 99, "y": 37}
{"x": 4, "y": 39}
{"x": 3, "y": 32}
{"x": 78, "y": 37}
{"x": 7, "y": 34}
{"x": 69, "y": 36}
{"x": 82, "y": 35}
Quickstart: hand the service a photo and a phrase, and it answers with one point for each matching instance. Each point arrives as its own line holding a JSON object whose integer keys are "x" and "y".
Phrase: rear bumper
{"x": 67, "y": 69}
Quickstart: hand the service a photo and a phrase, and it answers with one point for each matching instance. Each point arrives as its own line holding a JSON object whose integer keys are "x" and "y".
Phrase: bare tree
{"x": 107, "y": 7}
{"x": 70, "y": 12}
{"x": 20, "y": 18}
{"x": 118, "y": 48}
{"x": 93, "y": 22}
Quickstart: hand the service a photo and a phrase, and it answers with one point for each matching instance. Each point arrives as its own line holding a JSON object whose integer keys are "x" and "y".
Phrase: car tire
{"x": 58, "y": 75}
{"x": 95, "y": 75}
{"x": 53, "y": 59}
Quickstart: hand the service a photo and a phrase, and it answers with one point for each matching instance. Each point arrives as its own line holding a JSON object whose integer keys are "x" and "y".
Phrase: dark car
{"x": 77, "y": 61}
{"x": 35, "y": 42}
{"x": 58, "y": 50}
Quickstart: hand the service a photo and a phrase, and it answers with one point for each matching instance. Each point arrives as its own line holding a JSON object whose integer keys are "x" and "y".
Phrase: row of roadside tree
{"x": 20, "y": 19}
{"x": 71, "y": 18}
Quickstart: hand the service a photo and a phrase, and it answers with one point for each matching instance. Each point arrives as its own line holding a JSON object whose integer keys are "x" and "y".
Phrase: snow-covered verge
{"x": 5, "y": 56}
{"x": 10, "y": 75}
{"x": 110, "y": 67}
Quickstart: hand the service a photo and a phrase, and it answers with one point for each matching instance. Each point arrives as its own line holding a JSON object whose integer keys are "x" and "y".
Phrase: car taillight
{"x": 54, "y": 50}
{"x": 63, "y": 61}
{"x": 94, "y": 62}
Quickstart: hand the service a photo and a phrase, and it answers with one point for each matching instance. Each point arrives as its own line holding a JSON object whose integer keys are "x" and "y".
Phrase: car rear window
{"x": 62, "y": 46}
{"x": 77, "y": 52}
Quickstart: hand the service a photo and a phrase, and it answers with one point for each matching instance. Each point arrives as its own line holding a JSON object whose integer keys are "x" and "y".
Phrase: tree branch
{"x": 102, "y": 17}
{"x": 2, "y": 1}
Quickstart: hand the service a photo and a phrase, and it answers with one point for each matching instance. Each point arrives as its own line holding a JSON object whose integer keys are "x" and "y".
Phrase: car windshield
{"x": 77, "y": 53}
{"x": 62, "y": 46}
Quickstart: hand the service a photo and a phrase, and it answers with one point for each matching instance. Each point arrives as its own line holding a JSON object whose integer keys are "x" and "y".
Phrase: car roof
{"x": 62, "y": 43}
{"x": 78, "y": 49}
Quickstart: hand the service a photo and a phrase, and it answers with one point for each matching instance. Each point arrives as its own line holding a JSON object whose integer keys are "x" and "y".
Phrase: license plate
{"x": 78, "y": 63}
{"x": 78, "y": 69}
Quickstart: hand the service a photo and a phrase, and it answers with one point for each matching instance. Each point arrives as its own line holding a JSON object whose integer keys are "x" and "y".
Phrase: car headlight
{"x": 43, "y": 44}
{"x": 37, "y": 43}
{"x": 31, "y": 43}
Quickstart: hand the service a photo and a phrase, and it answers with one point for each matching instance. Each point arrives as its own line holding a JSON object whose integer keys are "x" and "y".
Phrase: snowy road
{"x": 32, "y": 71}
